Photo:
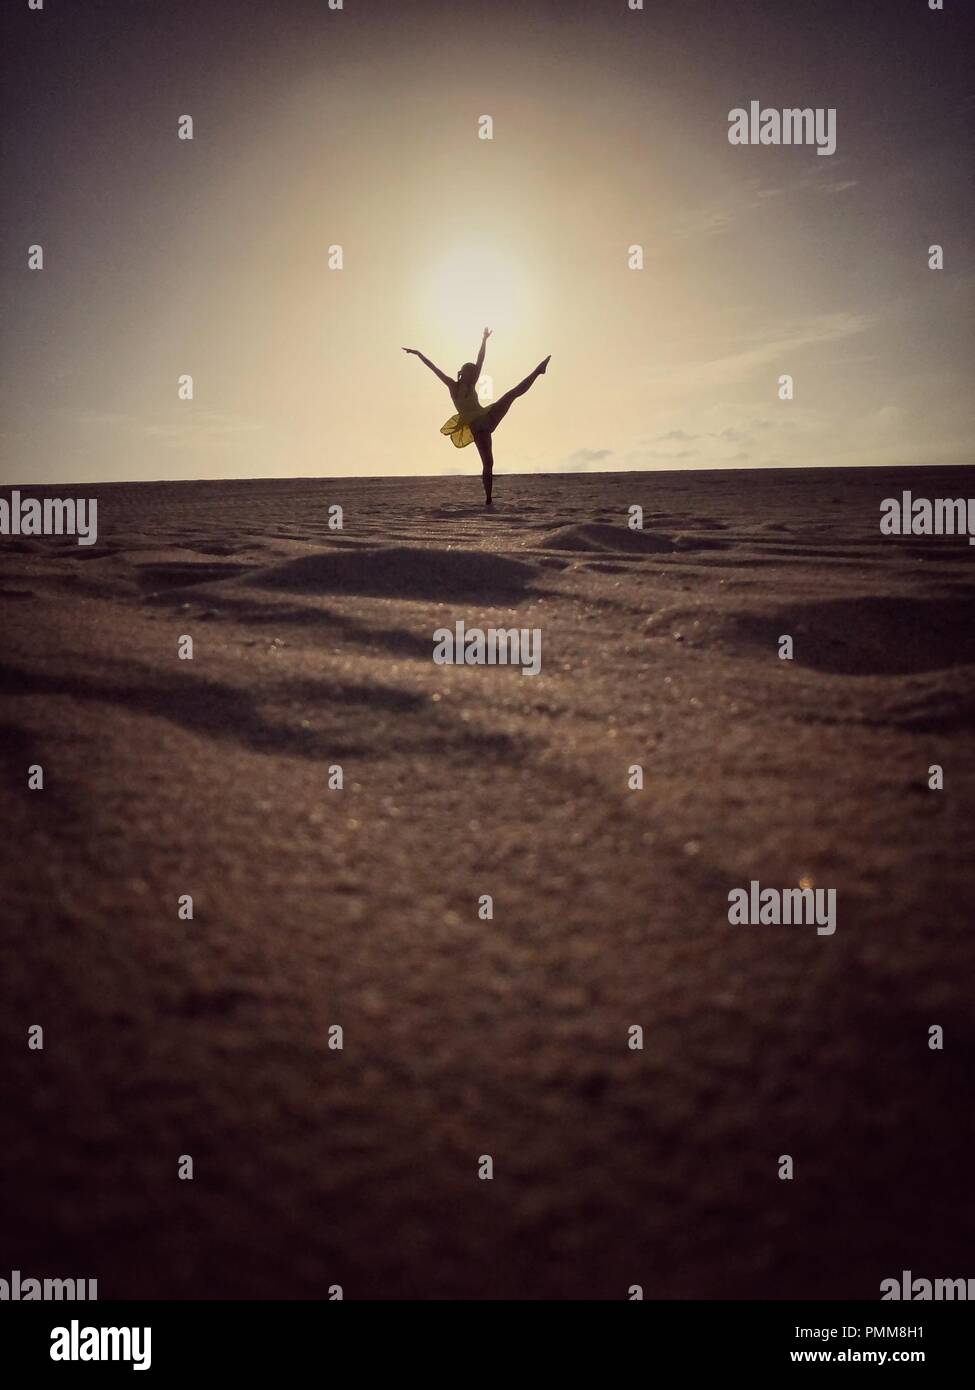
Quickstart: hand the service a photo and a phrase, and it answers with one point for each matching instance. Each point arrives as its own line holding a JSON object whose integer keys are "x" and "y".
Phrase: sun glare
{"x": 475, "y": 287}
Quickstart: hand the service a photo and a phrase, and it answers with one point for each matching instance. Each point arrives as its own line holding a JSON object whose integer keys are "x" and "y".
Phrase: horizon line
{"x": 474, "y": 476}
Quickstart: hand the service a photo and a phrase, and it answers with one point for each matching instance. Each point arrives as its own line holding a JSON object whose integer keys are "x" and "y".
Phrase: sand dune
{"x": 601, "y": 536}
{"x": 507, "y": 1037}
{"x": 404, "y": 571}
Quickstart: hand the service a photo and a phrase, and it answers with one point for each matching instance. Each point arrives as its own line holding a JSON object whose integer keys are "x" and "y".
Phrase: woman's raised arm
{"x": 442, "y": 375}
{"x": 480, "y": 355}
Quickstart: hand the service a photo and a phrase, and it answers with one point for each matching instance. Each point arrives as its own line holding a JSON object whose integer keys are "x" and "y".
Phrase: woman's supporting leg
{"x": 502, "y": 405}
{"x": 482, "y": 438}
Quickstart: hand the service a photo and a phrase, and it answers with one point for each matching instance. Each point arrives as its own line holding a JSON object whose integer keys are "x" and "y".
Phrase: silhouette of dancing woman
{"x": 474, "y": 422}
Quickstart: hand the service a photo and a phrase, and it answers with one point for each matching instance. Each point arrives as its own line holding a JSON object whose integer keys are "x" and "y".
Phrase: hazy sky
{"x": 359, "y": 127}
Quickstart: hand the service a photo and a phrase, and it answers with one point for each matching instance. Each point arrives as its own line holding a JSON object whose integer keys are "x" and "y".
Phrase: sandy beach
{"x": 508, "y": 1037}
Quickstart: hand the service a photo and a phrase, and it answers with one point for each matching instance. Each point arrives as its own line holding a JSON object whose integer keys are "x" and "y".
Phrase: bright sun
{"x": 472, "y": 288}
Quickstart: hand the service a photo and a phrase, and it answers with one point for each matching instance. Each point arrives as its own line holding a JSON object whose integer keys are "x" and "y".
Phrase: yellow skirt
{"x": 460, "y": 433}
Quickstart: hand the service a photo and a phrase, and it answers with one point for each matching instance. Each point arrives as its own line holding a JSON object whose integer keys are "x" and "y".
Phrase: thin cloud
{"x": 736, "y": 366}
{"x": 583, "y": 459}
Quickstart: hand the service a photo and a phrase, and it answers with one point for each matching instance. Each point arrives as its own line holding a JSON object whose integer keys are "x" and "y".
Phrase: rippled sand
{"x": 508, "y": 1037}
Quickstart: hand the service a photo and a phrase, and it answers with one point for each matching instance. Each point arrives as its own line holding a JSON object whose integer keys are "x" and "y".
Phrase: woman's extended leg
{"x": 502, "y": 405}
{"x": 482, "y": 438}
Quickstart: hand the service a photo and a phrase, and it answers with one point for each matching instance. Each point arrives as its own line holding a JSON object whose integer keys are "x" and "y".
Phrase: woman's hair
{"x": 467, "y": 372}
